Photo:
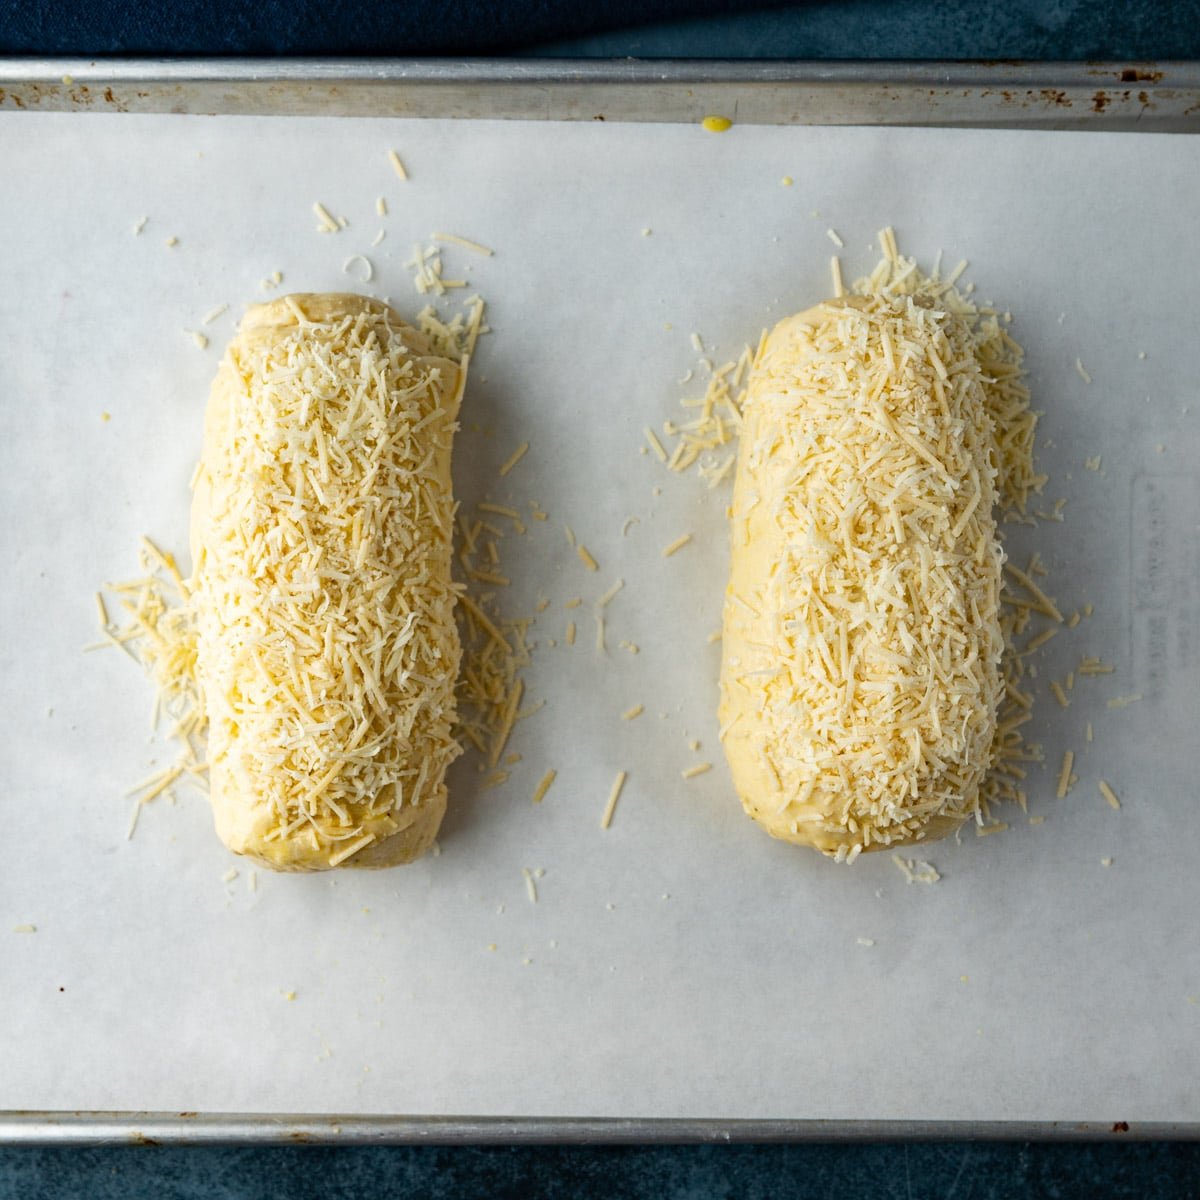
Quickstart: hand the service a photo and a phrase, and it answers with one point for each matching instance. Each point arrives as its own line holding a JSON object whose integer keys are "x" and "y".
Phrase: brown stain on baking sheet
{"x": 1134, "y": 75}
{"x": 1055, "y": 96}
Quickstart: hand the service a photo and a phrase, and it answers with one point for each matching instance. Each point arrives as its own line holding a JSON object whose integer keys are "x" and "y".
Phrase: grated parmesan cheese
{"x": 539, "y": 793}
{"x": 611, "y": 807}
{"x": 1109, "y": 795}
{"x": 328, "y": 223}
{"x": 514, "y": 458}
{"x": 1064, "y": 775}
{"x": 865, "y": 583}
{"x": 464, "y": 242}
{"x": 916, "y": 871}
{"x": 327, "y": 685}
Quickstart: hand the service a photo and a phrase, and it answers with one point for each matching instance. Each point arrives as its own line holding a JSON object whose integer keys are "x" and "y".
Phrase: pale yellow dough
{"x": 816, "y": 754}
{"x": 290, "y": 801}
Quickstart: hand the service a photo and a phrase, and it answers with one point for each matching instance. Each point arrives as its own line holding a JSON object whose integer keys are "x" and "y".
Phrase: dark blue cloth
{"x": 894, "y": 1172}
{"x": 1037, "y": 29}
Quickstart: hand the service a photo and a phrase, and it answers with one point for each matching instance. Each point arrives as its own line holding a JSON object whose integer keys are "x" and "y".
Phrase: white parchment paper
{"x": 681, "y": 963}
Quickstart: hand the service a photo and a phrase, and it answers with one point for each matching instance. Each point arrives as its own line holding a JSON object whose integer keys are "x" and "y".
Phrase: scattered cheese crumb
{"x": 865, "y": 941}
{"x": 514, "y": 458}
{"x": 630, "y": 713}
{"x": 995, "y": 827}
{"x": 213, "y": 313}
{"x": 607, "y": 597}
{"x": 698, "y": 769}
{"x": 328, "y": 222}
{"x": 369, "y": 270}
{"x": 832, "y": 235}
{"x": 716, "y": 124}
{"x": 586, "y": 558}
{"x": 655, "y": 444}
{"x": 530, "y": 885}
{"x": 1064, "y": 775}
{"x": 1109, "y": 795}
{"x": 24, "y": 929}
{"x": 462, "y": 241}
{"x": 835, "y": 271}
{"x": 916, "y": 871}
{"x": 539, "y": 793}
{"x": 786, "y": 181}
{"x": 1093, "y": 464}
{"x": 289, "y": 995}
{"x": 613, "y": 796}
{"x": 677, "y": 544}
{"x": 632, "y": 647}
{"x": 381, "y": 206}
{"x": 106, "y": 416}
{"x": 198, "y": 338}
{"x": 1036, "y": 820}
{"x": 1106, "y": 862}
{"x": 570, "y": 635}
{"x": 397, "y": 165}
{"x": 172, "y": 241}
{"x": 1079, "y": 367}
{"x": 252, "y": 881}
{"x": 1124, "y": 701}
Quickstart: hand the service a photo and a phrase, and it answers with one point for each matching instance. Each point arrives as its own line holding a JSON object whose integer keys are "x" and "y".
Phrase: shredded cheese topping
{"x": 326, "y": 647}
{"x": 868, "y": 650}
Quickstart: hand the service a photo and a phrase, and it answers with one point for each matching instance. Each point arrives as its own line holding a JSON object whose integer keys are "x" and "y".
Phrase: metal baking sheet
{"x": 680, "y": 966}
{"x": 1162, "y": 97}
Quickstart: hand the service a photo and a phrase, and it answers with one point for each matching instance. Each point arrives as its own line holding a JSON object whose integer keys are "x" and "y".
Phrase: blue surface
{"x": 1035, "y": 29}
{"x": 950, "y": 1172}
{"x": 1039, "y": 29}
{"x": 938, "y": 29}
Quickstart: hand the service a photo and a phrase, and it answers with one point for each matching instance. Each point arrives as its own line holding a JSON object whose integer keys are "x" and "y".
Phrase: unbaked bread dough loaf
{"x": 321, "y": 539}
{"x": 861, "y": 647}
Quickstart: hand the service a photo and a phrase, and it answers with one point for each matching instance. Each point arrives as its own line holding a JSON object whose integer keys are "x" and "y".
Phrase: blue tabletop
{"x": 1019, "y": 29}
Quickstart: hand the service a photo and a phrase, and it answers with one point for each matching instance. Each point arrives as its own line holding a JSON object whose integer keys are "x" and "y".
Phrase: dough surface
{"x": 861, "y": 642}
{"x": 321, "y": 540}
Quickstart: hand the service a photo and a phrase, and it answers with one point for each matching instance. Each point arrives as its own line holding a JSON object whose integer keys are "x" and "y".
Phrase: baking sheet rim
{"x": 186, "y": 1128}
{"x": 1149, "y": 97}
